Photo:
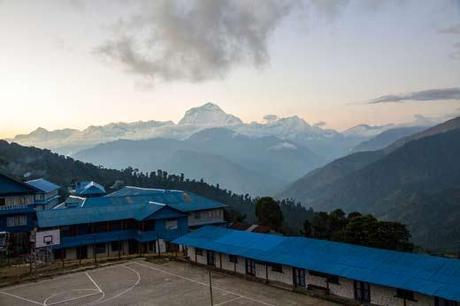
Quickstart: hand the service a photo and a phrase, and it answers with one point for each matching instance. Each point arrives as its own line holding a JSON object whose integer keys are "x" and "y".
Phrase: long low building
{"x": 366, "y": 275}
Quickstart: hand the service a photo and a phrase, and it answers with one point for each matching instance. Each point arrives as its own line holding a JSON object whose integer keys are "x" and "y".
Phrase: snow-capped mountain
{"x": 326, "y": 143}
{"x": 285, "y": 128}
{"x": 210, "y": 115}
{"x": 365, "y": 130}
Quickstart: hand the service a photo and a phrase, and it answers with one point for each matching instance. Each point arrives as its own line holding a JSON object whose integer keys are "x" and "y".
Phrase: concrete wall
{"x": 206, "y": 217}
{"x": 71, "y": 253}
{"x": 383, "y": 296}
{"x": 19, "y": 200}
{"x": 386, "y": 296}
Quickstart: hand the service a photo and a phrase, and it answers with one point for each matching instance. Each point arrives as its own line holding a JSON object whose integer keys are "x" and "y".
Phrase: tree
{"x": 268, "y": 213}
{"x": 367, "y": 230}
{"x": 307, "y": 228}
{"x": 320, "y": 226}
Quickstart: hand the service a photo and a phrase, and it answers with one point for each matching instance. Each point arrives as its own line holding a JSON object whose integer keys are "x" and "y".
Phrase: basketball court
{"x": 138, "y": 282}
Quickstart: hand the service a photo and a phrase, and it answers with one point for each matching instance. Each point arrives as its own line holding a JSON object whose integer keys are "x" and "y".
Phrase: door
{"x": 210, "y": 258}
{"x": 362, "y": 292}
{"x": 299, "y": 277}
{"x": 82, "y": 252}
{"x": 133, "y": 247}
{"x": 250, "y": 267}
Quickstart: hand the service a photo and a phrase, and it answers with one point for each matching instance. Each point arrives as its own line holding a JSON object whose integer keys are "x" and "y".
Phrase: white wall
{"x": 206, "y": 217}
{"x": 386, "y": 296}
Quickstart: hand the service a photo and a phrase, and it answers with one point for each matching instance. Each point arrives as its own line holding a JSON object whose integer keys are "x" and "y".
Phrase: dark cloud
{"x": 453, "y": 30}
{"x": 424, "y": 95}
{"x": 270, "y": 118}
{"x": 195, "y": 40}
{"x": 320, "y": 124}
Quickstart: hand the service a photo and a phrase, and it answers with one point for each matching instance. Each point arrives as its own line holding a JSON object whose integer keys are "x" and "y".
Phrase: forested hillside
{"x": 33, "y": 162}
{"x": 414, "y": 181}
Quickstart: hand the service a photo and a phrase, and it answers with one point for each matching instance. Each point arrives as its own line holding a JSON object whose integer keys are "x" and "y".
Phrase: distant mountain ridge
{"x": 327, "y": 143}
{"x": 257, "y": 166}
{"x": 387, "y": 137}
{"x": 399, "y": 182}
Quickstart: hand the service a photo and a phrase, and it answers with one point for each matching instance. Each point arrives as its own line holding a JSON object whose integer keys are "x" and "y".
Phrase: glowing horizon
{"x": 68, "y": 64}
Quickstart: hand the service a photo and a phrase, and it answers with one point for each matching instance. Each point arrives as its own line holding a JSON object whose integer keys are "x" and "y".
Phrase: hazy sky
{"x": 77, "y": 63}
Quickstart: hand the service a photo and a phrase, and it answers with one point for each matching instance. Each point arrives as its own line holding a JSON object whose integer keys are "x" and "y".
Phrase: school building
{"x": 368, "y": 276}
{"x": 131, "y": 220}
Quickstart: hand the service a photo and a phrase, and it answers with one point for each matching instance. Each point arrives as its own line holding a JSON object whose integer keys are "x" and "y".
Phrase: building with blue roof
{"x": 130, "y": 220}
{"x": 367, "y": 275}
{"x": 47, "y": 195}
{"x": 88, "y": 189}
{"x": 18, "y": 203}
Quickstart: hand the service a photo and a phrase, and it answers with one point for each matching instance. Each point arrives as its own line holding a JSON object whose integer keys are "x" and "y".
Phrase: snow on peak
{"x": 365, "y": 130}
{"x": 283, "y": 146}
{"x": 209, "y": 114}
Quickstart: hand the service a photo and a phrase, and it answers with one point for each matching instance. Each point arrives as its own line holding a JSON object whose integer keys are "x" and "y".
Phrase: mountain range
{"x": 325, "y": 142}
{"x": 255, "y": 158}
{"x": 240, "y": 163}
{"x": 415, "y": 180}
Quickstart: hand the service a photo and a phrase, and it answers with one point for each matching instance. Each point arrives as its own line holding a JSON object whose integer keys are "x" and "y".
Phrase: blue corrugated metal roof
{"x": 181, "y": 200}
{"x": 9, "y": 186}
{"x": 93, "y": 214}
{"x": 123, "y": 205}
{"x": 430, "y": 275}
{"x": 89, "y": 188}
{"x": 43, "y": 185}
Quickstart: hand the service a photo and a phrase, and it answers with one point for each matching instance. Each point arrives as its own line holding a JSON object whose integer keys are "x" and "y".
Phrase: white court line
{"x": 69, "y": 299}
{"x": 94, "y": 283}
{"x": 228, "y": 301}
{"x": 204, "y": 284}
{"x": 21, "y": 298}
{"x": 124, "y": 291}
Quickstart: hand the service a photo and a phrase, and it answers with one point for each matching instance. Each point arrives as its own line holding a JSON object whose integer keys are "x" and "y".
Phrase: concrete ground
{"x": 138, "y": 282}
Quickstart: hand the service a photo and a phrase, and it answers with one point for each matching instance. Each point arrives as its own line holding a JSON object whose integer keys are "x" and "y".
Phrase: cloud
{"x": 453, "y": 30}
{"x": 270, "y": 118}
{"x": 424, "y": 95}
{"x": 195, "y": 40}
{"x": 320, "y": 124}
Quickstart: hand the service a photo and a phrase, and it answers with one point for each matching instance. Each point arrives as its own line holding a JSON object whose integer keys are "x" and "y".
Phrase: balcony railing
{"x": 103, "y": 237}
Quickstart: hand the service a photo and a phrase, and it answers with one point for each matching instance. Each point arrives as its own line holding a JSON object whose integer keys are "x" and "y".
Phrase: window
{"x": 171, "y": 224}
{"x": 332, "y": 279}
{"x": 197, "y": 215}
{"x": 405, "y": 294}
{"x": 2, "y": 202}
{"x": 277, "y": 268}
{"x": 299, "y": 277}
{"x": 233, "y": 258}
{"x": 199, "y": 252}
{"x": 20, "y": 220}
{"x": 210, "y": 258}
{"x": 362, "y": 291}
{"x": 444, "y": 302}
{"x": 250, "y": 267}
{"x": 99, "y": 248}
{"x": 115, "y": 246}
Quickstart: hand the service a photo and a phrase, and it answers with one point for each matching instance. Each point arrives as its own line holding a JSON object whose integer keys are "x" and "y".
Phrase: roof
{"x": 429, "y": 275}
{"x": 122, "y": 205}
{"x": 250, "y": 227}
{"x": 93, "y": 214}
{"x": 181, "y": 200}
{"x": 43, "y": 185}
{"x": 10, "y": 186}
{"x": 89, "y": 188}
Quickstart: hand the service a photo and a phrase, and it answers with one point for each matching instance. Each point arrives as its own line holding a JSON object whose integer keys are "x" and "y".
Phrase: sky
{"x": 75, "y": 63}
